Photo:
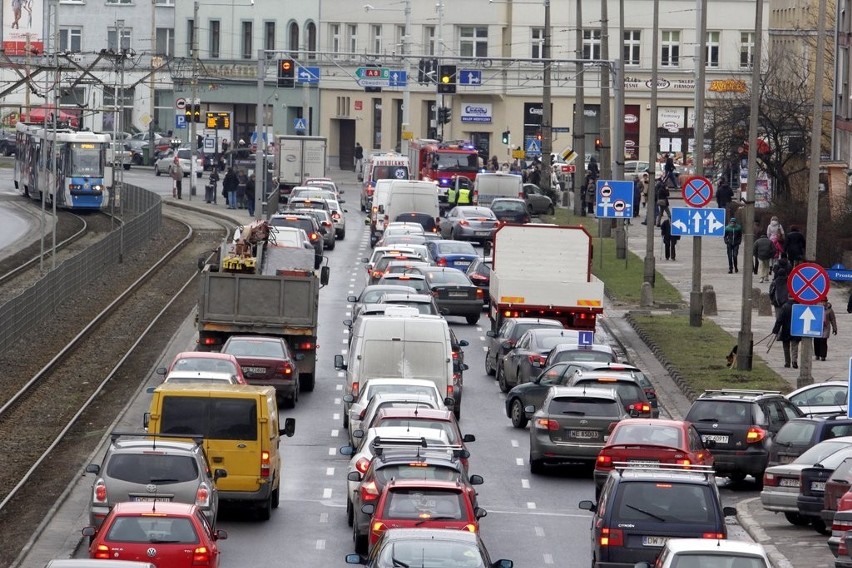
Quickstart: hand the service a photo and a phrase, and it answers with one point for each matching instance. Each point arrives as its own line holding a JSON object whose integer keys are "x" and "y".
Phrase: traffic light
{"x": 447, "y": 79}
{"x": 196, "y": 113}
{"x": 597, "y": 143}
{"x": 506, "y": 135}
{"x": 286, "y": 73}
{"x": 538, "y": 136}
{"x": 426, "y": 69}
{"x": 445, "y": 115}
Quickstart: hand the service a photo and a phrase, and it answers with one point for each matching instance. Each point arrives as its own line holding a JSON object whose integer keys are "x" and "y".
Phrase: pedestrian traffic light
{"x": 447, "y": 79}
{"x": 506, "y": 135}
{"x": 597, "y": 143}
{"x": 286, "y": 73}
{"x": 445, "y": 115}
{"x": 538, "y": 136}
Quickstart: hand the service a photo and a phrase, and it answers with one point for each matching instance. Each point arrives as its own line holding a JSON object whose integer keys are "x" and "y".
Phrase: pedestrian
{"x": 794, "y": 246}
{"x": 494, "y": 166}
{"x": 849, "y": 304}
{"x": 669, "y": 240}
{"x": 829, "y": 327}
{"x": 359, "y": 161}
{"x": 669, "y": 177}
{"x": 661, "y": 193}
{"x": 535, "y": 175}
{"x": 781, "y": 329}
{"x": 250, "y": 195}
{"x": 733, "y": 238}
{"x": 229, "y": 188}
{"x": 646, "y": 183}
{"x": 638, "y": 188}
{"x": 775, "y": 228}
{"x": 210, "y": 188}
{"x": 778, "y": 294}
{"x": 242, "y": 181}
{"x": 590, "y": 195}
{"x": 779, "y": 250}
{"x": 593, "y": 168}
{"x": 176, "y": 173}
{"x": 724, "y": 195}
{"x": 763, "y": 252}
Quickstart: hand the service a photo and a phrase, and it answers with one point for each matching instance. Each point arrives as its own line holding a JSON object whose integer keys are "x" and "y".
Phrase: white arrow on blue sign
{"x": 397, "y": 78}
{"x": 806, "y": 321}
{"x": 470, "y": 77}
{"x": 308, "y": 75}
{"x": 690, "y": 222}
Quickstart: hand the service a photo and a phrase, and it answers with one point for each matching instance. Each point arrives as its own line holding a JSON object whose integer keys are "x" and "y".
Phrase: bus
{"x": 79, "y": 159}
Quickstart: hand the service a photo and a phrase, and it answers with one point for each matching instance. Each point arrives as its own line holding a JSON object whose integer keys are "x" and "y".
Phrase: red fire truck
{"x": 441, "y": 161}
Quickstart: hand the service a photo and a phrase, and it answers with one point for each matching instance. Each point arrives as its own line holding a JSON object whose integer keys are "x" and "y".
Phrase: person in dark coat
{"x": 229, "y": 188}
{"x": 242, "y": 181}
{"x": 781, "y": 329}
{"x": 779, "y": 284}
{"x": 210, "y": 188}
{"x": 724, "y": 195}
{"x": 733, "y": 238}
{"x": 669, "y": 240}
{"x": 535, "y": 175}
{"x": 638, "y": 188}
{"x": 593, "y": 168}
{"x": 250, "y": 195}
{"x": 763, "y": 252}
{"x": 849, "y": 304}
{"x": 794, "y": 246}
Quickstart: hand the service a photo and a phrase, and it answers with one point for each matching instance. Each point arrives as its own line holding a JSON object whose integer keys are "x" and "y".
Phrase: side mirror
{"x": 146, "y": 419}
{"x": 479, "y": 513}
{"x": 490, "y": 333}
{"x": 93, "y": 468}
{"x": 449, "y": 402}
{"x": 220, "y": 534}
{"x": 347, "y": 322}
{"x": 587, "y": 505}
{"x": 356, "y": 559}
{"x": 463, "y": 343}
{"x": 367, "y": 221}
{"x": 150, "y": 390}
{"x": 476, "y": 480}
{"x": 345, "y": 210}
{"x": 348, "y": 398}
{"x": 161, "y": 371}
{"x": 289, "y": 427}
{"x": 219, "y": 473}
{"x": 529, "y": 411}
{"x": 358, "y": 434}
{"x": 352, "y": 299}
{"x": 729, "y": 511}
{"x": 338, "y": 363}
{"x": 346, "y": 450}
{"x": 354, "y": 476}
{"x": 368, "y": 508}
{"x": 503, "y": 563}
{"x": 467, "y": 438}
{"x": 89, "y": 531}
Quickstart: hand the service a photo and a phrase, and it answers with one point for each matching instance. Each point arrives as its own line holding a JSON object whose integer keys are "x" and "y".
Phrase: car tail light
{"x": 102, "y": 552}
{"x": 479, "y": 294}
{"x": 603, "y": 461}
{"x": 684, "y": 462}
{"x": 770, "y": 479}
{"x": 369, "y": 491}
{"x": 313, "y": 236}
{"x": 208, "y": 341}
{"x": 470, "y": 527}
{"x": 642, "y": 407}
{"x": 842, "y": 549}
{"x": 335, "y": 215}
{"x": 100, "y": 492}
{"x": 525, "y": 219}
{"x": 264, "y": 464}
{"x": 441, "y": 262}
{"x": 755, "y": 434}
{"x": 536, "y": 360}
{"x": 378, "y": 274}
{"x": 713, "y": 535}
{"x": 202, "y": 496}
{"x": 362, "y": 414}
{"x": 355, "y": 389}
{"x": 369, "y": 191}
{"x": 546, "y": 424}
{"x": 463, "y": 223}
{"x": 200, "y": 556}
{"x": 455, "y": 356}
{"x": 449, "y": 390}
{"x": 376, "y": 530}
{"x": 362, "y": 464}
{"x": 478, "y": 277}
{"x": 612, "y": 537}
{"x": 306, "y": 345}
{"x": 286, "y": 369}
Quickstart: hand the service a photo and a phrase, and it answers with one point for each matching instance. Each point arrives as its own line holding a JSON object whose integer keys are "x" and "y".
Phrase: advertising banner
{"x": 23, "y": 21}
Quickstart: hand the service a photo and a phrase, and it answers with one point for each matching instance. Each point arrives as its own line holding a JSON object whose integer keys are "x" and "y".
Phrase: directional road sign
{"x": 806, "y": 320}
{"x": 697, "y": 191}
{"x": 372, "y": 73}
{"x": 470, "y": 77}
{"x": 308, "y": 75}
{"x": 300, "y": 123}
{"x": 613, "y": 199}
{"x": 689, "y": 222}
{"x": 808, "y": 283}
{"x": 397, "y": 78}
{"x": 532, "y": 146}
{"x": 180, "y": 121}
{"x": 839, "y": 273}
{"x": 585, "y": 338}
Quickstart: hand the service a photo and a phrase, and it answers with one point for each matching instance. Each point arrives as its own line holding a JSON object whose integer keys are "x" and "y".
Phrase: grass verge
{"x": 697, "y": 354}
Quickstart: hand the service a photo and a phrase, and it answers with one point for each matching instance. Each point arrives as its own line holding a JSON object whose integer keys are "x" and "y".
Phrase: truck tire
{"x": 264, "y": 509}
{"x": 276, "y": 497}
{"x": 307, "y": 382}
{"x": 472, "y": 319}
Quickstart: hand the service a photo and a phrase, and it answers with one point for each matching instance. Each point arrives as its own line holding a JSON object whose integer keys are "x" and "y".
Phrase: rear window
{"x": 390, "y": 172}
{"x": 416, "y": 470}
{"x": 421, "y": 307}
{"x": 298, "y": 223}
{"x": 647, "y": 434}
{"x": 398, "y": 388}
{"x": 723, "y": 560}
{"x": 424, "y": 504}
{"x": 152, "y": 530}
{"x": 501, "y": 206}
{"x": 215, "y": 418}
{"x": 728, "y": 412}
{"x": 205, "y": 365}
{"x": 435, "y": 424}
{"x": 821, "y": 451}
{"x": 456, "y": 248}
{"x": 798, "y": 433}
{"x": 451, "y": 276}
{"x": 629, "y": 392}
{"x": 550, "y": 341}
{"x": 522, "y": 328}
{"x": 584, "y": 406}
{"x": 152, "y": 468}
{"x": 480, "y": 212}
{"x": 407, "y": 359}
{"x": 583, "y": 355}
{"x": 658, "y": 501}
{"x": 249, "y": 348}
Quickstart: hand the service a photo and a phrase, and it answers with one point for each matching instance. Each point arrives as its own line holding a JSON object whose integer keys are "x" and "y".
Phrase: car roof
{"x": 583, "y": 391}
{"x": 425, "y": 484}
{"x": 611, "y": 367}
{"x": 416, "y": 414}
{"x": 735, "y": 395}
{"x": 171, "y": 508}
{"x": 160, "y": 444}
{"x": 577, "y": 347}
{"x": 613, "y": 376}
{"x": 399, "y": 381}
{"x": 395, "y": 296}
{"x": 395, "y": 396}
{"x": 714, "y": 545}
{"x": 204, "y": 355}
{"x": 653, "y": 422}
{"x": 200, "y": 375}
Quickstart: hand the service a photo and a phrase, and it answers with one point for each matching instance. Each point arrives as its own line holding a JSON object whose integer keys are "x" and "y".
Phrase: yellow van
{"x": 239, "y": 424}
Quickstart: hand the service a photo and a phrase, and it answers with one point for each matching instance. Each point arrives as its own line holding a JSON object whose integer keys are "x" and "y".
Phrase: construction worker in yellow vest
{"x": 460, "y": 192}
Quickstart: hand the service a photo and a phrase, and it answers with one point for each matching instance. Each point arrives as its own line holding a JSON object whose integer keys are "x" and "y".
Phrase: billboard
{"x": 23, "y": 21}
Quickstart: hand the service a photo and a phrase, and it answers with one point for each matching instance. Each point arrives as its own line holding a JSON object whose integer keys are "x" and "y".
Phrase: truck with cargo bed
{"x": 544, "y": 271}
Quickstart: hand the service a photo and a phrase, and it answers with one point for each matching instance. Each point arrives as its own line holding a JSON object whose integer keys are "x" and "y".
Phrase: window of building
{"x": 352, "y": 37}
{"x": 670, "y": 54}
{"x": 114, "y": 2}
{"x": 473, "y": 41}
{"x": 215, "y": 38}
{"x": 166, "y": 41}
{"x": 269, "y": 36}
{"x": 591, "y": 44}
{"x": 746, "y": 49}
{"x": 711, "y": 57}
{"x": 377, "y": 124}
{"x": 429, "y": 40}
{"x": 399, "y": 39}
{"x": 112, "y": 38}
{"x": 631, "y": 47}
{"x": 293, "y": 39}
{"x": 376, "y": 38}
{"x": 190, "y": 37}
{"x": 71, "y": 39}
{"x": 334, "y": 38}
{"x": 247, "y": 51}
{"x": 164, "y": 109}
{"x": 165, "y": 2}
{"x": 311, "y": 39}
{"x": 537, "y": 43}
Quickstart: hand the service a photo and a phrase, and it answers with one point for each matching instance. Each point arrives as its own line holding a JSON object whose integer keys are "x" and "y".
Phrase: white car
{"x": 364, "y": 416}
{"x": 400, "y": 228}
{"x": 201, "y": 377}
{"x": 390, "y": 386}
{"x": 289, "y": 237}
{"x": 161, "y": 166}
{"x": 119, "y": 153}
{"x": 710, "y": 553}
{"x": 830, "y": 397}
{"x": 379, "y": 252}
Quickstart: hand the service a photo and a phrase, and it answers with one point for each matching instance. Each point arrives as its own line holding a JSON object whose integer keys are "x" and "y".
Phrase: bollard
{"x": 647, "y": 297}
{"x": 709, "y": 296}
{"x": 755, "y": 297}
{"x": 764, "y": 306}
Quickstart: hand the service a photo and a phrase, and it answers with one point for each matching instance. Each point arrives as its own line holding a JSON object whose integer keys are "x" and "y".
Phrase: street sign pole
{"x": 696, "y": 296}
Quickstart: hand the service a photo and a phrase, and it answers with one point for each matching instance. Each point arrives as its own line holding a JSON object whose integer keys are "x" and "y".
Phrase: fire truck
{"x": 441, "y": 161}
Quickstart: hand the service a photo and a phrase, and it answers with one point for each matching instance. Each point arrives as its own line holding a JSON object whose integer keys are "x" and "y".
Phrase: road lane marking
{"x": 548, "y": 558}
{"x": 326, "y": 493}
{"x": 348, "y": 313}
{"x": 332, "y": 451}
{"x": 484, "y": 348}
{"x": 519, "y": 461}
{"x": 337, "y": 400}
{"x": 339, "y": 376}
{"x": 344, "y": 351}
{"x": 539, "y": 531}
{"x": 344, "y": 341}
{"x": 525, "y": 484}
{"x": 335, "y": 416}
{"x": 329, "y": 471}
{"x": 515, "y": 443}
{"x": 335, "y": 433}
{"x": 323, "y": 518}
{"x": 321, "y": 544}
{"x": 339, "y": 386}
{"x": 530, "y": 505}
{"x": 482, "y": 338}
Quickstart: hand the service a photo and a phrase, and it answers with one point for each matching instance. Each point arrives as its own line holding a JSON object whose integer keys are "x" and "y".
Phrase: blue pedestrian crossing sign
{"x": 613, "y": 199}
{"x": 180, "y": 121}
{"x": 691, "y": 222}
{"x": 532, "y": 146}
{"x": 300, "y": 123}
{"x": 806, "y": 321}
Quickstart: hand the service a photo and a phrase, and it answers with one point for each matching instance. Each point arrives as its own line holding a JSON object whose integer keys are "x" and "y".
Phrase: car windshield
{"x": 717, "y": 560}
{"x": 729, "y": 412}
{"x": 430, "y": 553}
{"x": 152, "y": 529}
{"x": 422, "y": 307}
{"x": 455, "y": 161}
{"x": 205, "y": 365}
{"x": 152, "y": 468}
{"x": 456, "y": 247}
{"x": 584, "y": 406}
{"x": 421, "y": 423}
{"x": 423, "y": 504}
{"x": 655, "y": 435}
{"x": 583, "y": 355}
{"x": 184, "y": 154}
{"x": 451, "y": 276}
{"x": 663, "y": 501}
{"x": 249, "y": 348}
{"x": 416, "y": 470}
{"x": 292, "y": 222}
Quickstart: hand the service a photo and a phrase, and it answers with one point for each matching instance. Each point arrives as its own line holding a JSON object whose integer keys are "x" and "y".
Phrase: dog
{"x": 732, "y": 357}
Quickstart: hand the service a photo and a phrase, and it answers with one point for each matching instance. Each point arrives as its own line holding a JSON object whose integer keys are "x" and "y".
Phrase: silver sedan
{"x": 470, "y": 223}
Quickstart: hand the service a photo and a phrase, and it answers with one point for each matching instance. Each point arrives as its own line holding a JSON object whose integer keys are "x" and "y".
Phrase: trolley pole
{"x": 193, "y": 139}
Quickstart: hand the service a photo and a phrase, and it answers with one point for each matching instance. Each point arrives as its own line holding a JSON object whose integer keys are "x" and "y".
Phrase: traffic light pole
{"x": 193, "y": 139}
{"x": 546, "y": 114}
{"x": 260, "y": 152}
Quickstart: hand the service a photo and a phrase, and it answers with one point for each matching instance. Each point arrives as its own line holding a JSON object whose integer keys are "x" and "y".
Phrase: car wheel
{"x": 350, "y": 513}
{"x": 361, "y": 543}
{"x": 341, "y": 234}
{"x": 819, "y": 526}
{"x": 289, "y": 402}
{"x": 156, "y": 171}
{"x": 125, "y": 166}
{"x": 489, "y": 370}
{"x": 501, "y": 379}
{"x": 472, "y": 319}
{"x": 519, "y": 419}
{"x": 796, "y": 519}
{"x": 536, "y": 466}
{"x": 276, "y": 498}
{"x": 264, "y": 509}
{"x": 307, "y": 382}
{"x": 345, "y": 420}
{"x": 331, "y": 245}
{"x": 457, "y": 410}
{"x": 551, "y": 210}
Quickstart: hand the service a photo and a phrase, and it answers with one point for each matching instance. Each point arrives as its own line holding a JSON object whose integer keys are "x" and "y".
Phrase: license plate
{"x": 714, "y": 438}
{"x": 482, "y": 233}
{"x": 462, "y": 263}
{"x": 786, "y": 459}
{"x": 584, "y": 434}
{"x": 643, "y": 463}
{"x": 818, "y": 486}
{"x": 255, "y": 370}
{"x": 787, "y": 482}
{"x": 458, "y": 294}
{"x": 151, "y": 499}
{"x": 654, "y": 541}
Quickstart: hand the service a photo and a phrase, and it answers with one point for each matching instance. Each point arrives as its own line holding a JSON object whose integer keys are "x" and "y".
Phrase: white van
{"x": 381, "y": 196}
{"x": 491, "y": 185}
{"x": 402, "y": 343}
{"x": 419, "y": 198}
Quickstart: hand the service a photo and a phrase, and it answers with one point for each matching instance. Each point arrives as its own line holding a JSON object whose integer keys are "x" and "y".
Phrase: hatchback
{"x": 204, "y": 361}
{"x": 526, "y": 359}
{"x": 510, "y": 210}
{"x": 326, "y": 225}
{"x": 800, "y": 434}
{"x": 479, "y": 273}
{"x": 829, "y": 397}
{"x": 836, "y": 487}
{"x": 453, "y": 254}
{"x": 454, "y": 293}
{"x": 701, "y": 552}
{"x": 504, "y": 339}
{"x": 381, "y": 264}
{"x": 267, "y": 361}
{"x": 644, "y": 380}
{"x": 469, "y": 223}
{"x": 627, "y": 387}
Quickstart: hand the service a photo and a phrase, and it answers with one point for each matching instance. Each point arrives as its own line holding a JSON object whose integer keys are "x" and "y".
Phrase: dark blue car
{"x": 452, "y": 254}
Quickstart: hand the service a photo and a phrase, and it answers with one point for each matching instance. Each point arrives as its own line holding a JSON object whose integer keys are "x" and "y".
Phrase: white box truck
{"x": 299, "y": 157}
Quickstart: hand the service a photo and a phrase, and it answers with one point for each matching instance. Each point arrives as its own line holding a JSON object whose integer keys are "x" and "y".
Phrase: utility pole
{"x": 193, "y": 139}
{"x": 152, "y": 109}
{"x": 649, "y": 272}
{"x": 260, "y": 153}
{"x": 55, "y": 152}
{"x": 546, "y": 114}
{"x": 745, "y": 342}
{"x": 579, "y": 117}
{"x": 806, "y": 360}
{"x": 606, "y": 114}
{"x": 618, "y": 136}
{"x": 696, "y": 297}
{"x": 439, "y": 98}
{"x": 406, "y": 93}
{"x": 120, "y": 122}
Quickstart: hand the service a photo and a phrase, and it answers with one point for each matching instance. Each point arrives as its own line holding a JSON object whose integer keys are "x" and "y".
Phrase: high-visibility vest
{"x": 464, "y": 196}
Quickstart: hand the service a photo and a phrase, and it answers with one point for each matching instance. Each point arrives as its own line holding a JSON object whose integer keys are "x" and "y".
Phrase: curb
{"x": 675, "y": 374}
{"x": 756, "y": 532}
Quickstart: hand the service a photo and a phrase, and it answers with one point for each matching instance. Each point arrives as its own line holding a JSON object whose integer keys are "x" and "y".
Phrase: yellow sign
{"x": 519, "y": 154}
{"x": 218, "y": 120}
{"x": 728, "y": 86}
{"x": 568, "y": 154}
{"x": 407, "y": 135}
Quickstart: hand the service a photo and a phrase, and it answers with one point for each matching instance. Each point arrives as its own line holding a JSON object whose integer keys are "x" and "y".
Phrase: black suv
{"x": 801, "y": 434}
{"x": 742, "y": 424}
{"x": 640, "y": 508}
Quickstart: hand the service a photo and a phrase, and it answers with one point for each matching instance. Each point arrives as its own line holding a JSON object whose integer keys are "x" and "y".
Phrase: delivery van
{"x": 398, "y": 344}
{"x": 489, "y": 186}
{"x": 239, "y": 424}
{"x": 417, "y": 197}
{"x": 381, "y": 196}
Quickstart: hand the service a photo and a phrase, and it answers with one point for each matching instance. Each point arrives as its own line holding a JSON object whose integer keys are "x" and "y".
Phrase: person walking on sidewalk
{"x": 669, "y": 240}
{"x": 733, "y": 239}
{"x": 662, "y": 196}
{"x": 775, "y": 228}
{"x": 359, "y": 161}
{"x": 725, "y": 195}
{"x": 250, "y": 188}
{"x": 781, "y": 329}
{"x": 794, "y": 246}
{"x": 763, "y": 252}
{"x": 778, "y": 294}
{"x": 229, "y": 186}
{"x": 176, "y": 173}
{"x": 242, "y": 181}
{"x": 829, "y": 327}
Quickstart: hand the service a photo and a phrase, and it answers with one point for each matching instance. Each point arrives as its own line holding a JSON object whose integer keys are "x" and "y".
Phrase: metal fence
{"x": 143, "y": 219}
